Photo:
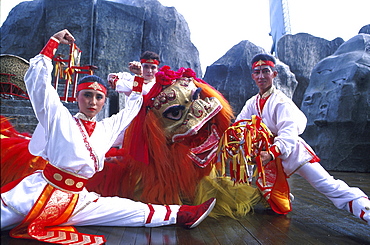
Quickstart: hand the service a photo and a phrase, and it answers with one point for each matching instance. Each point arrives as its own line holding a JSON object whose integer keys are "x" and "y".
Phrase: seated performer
{"x": 287, "y": 122}
{"x": 46, "y": 204}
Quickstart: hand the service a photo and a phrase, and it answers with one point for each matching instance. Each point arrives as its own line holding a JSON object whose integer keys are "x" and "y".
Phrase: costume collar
{"x": 268, "y": 92}
{"x": 82, "y": 116}
{"x": 149, "y": 81}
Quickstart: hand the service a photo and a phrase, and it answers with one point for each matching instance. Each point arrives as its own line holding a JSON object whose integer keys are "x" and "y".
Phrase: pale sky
{"x": 216, "y": 26}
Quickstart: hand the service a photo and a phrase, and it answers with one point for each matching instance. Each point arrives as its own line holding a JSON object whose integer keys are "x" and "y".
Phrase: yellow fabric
{"x": 70, "y": 70}
{"x": 58, "y": 70}
{"x": 232, "y": 200}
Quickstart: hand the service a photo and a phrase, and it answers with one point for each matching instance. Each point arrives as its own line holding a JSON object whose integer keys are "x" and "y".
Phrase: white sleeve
{"x": 124, "y": 83}
{"x": 289, "y": 123}
{"x": 118, "y": 142}
{"x": 247, "y": 111}
{"x": 45, "y": 102}
{"x": 118, "y": 123}
{"x": 44, "y": 98}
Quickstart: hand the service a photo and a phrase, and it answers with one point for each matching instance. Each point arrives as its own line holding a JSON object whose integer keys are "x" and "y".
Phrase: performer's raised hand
{"x": 136, "y": 68}
{"x": 112, "y": 80}
{"x": 64, "y": 37}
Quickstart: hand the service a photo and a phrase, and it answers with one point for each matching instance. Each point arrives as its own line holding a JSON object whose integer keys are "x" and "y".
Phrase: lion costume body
{"x": 169, "y": 153}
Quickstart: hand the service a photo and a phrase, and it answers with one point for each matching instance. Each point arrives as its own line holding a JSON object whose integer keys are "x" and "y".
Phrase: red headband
{"x": 151, "y": 61}
{"x": 92, "y": 85}
{"x": 263, "y": 62}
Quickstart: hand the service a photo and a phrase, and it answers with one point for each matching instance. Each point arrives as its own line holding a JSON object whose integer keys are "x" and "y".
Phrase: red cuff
{"x": 50, "y": 48}
{"x": 315, "y": 159}
{"x": 275, "y": 152}
{"x": 138, "y": 84}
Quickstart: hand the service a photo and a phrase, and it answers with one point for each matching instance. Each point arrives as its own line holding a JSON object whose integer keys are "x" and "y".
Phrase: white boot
{"x": 360, "y": 208}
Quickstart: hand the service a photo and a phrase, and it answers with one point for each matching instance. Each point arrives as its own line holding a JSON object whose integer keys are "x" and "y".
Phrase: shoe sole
{"x": 196, "y": 223}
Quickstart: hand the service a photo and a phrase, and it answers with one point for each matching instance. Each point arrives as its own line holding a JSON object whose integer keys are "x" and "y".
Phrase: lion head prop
{"x": 182, "y": 113}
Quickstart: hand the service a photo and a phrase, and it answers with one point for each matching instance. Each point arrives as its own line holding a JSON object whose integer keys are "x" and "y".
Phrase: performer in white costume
{"x": 45, "y": 204}
{"x": 144, "y": 71}
{"x": 286, "y": 121}
{"x": 146, "y": 68}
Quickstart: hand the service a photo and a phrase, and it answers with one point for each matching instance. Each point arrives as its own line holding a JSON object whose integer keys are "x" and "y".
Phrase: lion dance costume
{"x": 169, "y": 152}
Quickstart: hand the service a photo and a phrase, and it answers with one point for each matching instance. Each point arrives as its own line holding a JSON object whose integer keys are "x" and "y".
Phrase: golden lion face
{"x": 182, "y": 111}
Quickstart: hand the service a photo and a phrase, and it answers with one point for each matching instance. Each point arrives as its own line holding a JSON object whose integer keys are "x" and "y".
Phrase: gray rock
{"x": 24, "y": 20}
{"x": 301, "y": 52}
{"x": 337, "y": 106}
{"x": 110, "y": 34}
{"x": 365, "y": 29}
{"x": 231, "y": 75}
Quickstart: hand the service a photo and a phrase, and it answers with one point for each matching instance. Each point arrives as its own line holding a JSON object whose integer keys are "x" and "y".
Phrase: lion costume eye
{"x": 196, "y": 94}
{"x": 174, "y": 112}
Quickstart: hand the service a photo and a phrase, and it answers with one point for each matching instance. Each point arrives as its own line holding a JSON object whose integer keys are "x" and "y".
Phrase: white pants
{"x": 336, "y": 190}
{"x": 107, "y": 211}
{"x": 116, "y": 211}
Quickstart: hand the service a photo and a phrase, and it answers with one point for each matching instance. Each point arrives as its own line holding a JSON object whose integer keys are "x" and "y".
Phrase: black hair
{"x": 149, "y": 55}
{"x": 93, "y": 78}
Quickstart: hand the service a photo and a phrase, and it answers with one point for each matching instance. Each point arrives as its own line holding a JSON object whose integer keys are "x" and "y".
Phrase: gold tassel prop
{"x": 240, "y": 145}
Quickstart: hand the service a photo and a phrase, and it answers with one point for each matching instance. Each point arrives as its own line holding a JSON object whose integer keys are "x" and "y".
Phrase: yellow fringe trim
{"x": 232, "y": 200}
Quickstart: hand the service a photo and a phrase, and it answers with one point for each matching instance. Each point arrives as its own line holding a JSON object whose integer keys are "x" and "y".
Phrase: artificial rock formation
{"x": 110, "y": 34}
{"x": 337, "y": 106}
{"x": 301, "y": 52}
{"x": 365, "y": 29}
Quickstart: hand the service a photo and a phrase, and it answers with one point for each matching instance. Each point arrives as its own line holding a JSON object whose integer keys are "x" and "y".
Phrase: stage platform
{"x": 314, "y": 220}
